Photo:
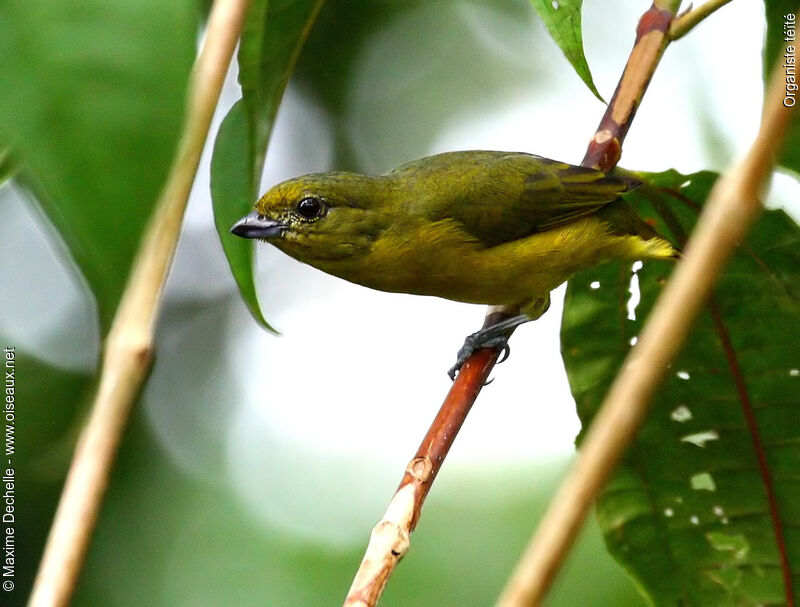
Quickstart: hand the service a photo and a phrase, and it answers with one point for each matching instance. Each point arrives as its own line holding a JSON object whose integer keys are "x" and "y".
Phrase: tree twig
{"x": 684, "y": 22}
{"x": 390, "y": 538}
{"x": 605, "y": 148}
{"x": 128, "y": 347}
{"x": 733, "y": 205}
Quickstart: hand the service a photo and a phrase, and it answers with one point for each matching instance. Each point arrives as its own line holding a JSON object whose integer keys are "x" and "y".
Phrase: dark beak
{"x": 258, "y": 226}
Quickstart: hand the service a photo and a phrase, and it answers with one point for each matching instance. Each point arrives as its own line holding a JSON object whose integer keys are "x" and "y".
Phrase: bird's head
{"x": 318, "y": 217}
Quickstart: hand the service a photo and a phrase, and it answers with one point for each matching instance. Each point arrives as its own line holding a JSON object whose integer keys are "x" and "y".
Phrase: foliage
{"x": 273, "y": 35}
{"x": 563, "y": 20}
{"x": 98, "y": 93}
{"x": 688, "y": 512}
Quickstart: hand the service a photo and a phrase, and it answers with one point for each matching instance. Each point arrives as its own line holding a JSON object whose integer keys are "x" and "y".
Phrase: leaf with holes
{"x": 562, "y": 18}
{"x": 705, "y": 506}
{"x": 274, "y": 32}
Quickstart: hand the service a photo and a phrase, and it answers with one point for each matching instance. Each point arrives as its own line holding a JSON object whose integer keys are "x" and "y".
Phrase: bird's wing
{"x": 499, "y": 197}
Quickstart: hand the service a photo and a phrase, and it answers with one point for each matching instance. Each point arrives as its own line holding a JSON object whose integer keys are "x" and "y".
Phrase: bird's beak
{"x": 258, "y": 226}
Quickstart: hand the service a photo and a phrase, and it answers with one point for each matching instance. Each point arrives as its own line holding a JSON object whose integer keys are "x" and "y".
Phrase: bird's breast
{"x": 443, "y": 260}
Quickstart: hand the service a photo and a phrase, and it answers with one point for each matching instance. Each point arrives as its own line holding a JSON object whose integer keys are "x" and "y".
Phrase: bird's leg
{"x": 496, "y": 335}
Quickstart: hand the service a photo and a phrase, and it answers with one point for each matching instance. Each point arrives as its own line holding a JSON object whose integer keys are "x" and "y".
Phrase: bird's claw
{"x": 504, "y": 354}
{"x": 475, "y": 342}
{"x": 463, "y": 354}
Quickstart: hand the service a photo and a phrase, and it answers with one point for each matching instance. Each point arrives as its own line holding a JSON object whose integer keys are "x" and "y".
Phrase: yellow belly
{"x": 444, "y": 262}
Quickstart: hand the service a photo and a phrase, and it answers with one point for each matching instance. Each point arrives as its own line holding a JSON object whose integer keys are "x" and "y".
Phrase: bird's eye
{"x": 309, "y": 208}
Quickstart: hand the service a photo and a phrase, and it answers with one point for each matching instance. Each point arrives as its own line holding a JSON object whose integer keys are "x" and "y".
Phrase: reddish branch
{"x": 390, "y": 537}
{"x": 652, "y": 38}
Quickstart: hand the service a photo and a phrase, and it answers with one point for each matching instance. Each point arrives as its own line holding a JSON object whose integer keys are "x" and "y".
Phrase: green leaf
{"x": 562, "y": 18}
{"x": 95, "y": 94}
{"x": 232, "y": 198}
{"x": 778, "y": 34}
{"x": 273, "y": 34}
{"x": 49, "y": 401}
{"x": 687, "y": 512}
{"x": 7, "y": 166}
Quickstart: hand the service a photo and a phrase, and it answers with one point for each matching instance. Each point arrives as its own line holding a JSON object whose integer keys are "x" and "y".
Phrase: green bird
{"x": 484, "y": 227}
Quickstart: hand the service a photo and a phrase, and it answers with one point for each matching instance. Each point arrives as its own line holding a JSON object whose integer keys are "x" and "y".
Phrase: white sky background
{"x": 349, "y": 388}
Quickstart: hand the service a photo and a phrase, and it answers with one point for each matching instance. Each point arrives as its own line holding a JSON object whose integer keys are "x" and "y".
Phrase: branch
{"x": 733, "y": 205}
{"x": 390, "y": 538}
{"x": 683, "y": 24}
{"x": 605, "y": 148}
{"x": 129, "y": 345}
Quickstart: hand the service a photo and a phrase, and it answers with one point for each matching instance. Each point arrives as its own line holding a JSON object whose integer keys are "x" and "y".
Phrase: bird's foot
{"x": 475, "y": 342}
{"x": 494, "y": 336}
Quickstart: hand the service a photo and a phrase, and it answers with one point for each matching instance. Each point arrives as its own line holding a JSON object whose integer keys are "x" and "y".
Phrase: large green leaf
{"x": 780, "y": 28}
{"x": 562, "y": 18}
{"x": 92, "y": 106}
{"x": 232, "y": 192}
{"x": 342, "y": 33}
{"x": 705, "y": 507}
{"x": 273, "y": 34}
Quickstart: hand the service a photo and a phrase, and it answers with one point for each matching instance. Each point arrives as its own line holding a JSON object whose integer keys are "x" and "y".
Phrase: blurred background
{"x": 257, "y": 464}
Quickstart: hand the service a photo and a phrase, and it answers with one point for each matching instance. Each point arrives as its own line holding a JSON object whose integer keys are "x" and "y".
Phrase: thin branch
{"x": 128, "y": 348}
{"x": 684, "y": 22}
{"x": 605, "y": 147}
{"x": 390, "y": 538}
{"x": 733, "y": 205}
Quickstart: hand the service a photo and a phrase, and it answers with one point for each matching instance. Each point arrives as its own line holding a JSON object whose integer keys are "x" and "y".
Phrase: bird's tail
{"x": 623, "y": 220}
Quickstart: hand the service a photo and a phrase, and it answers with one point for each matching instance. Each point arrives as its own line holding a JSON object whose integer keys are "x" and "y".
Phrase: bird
{"x": 475, "y": 226}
